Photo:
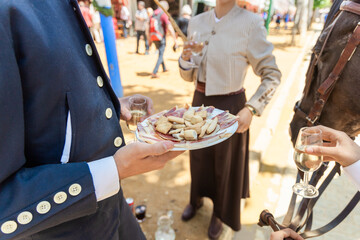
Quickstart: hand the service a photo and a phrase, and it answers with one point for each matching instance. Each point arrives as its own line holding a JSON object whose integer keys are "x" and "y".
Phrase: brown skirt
{"x": 221, "y": 172}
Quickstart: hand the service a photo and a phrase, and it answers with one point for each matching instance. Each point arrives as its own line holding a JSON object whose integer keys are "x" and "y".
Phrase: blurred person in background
{"x": 183, "y": 21}
{"x": 85, "y": 11}
{"x": 141, "y": 22}
{"x": 150, "y": 13}
{"x": 159, "y": 26}
{"x": 96, "y": 30}
{"x": 123, "y": 16}
{"x": 221, "y": 172}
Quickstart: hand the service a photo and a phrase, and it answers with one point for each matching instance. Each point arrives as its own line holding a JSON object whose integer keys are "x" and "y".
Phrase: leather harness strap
{"x": 339, "y": 218}
{"x": 350, "y": 6}
{"x": 327, "y": 86}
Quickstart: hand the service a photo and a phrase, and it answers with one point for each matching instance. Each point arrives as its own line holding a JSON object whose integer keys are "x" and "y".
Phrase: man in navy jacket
{"x": 62, "y": 150}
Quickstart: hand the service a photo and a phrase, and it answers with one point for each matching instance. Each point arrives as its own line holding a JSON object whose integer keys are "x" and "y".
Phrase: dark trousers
{"x": 138, "y": 35}
{"x": 160, "y": 45}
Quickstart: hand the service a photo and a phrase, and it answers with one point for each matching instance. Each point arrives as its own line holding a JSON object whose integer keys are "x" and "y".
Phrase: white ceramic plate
{"x": 222, "y": 135}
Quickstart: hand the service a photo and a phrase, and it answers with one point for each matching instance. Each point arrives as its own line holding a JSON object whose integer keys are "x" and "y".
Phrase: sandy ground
{"x": 168, "y": 189}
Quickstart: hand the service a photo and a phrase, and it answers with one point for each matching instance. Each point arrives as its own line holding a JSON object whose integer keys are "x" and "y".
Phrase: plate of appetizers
{"x": 190, "y": 128}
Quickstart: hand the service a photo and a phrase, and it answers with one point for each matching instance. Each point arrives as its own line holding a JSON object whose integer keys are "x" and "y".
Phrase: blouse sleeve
{"x": 188, "y": 73}
{"x": 260, "y": 57}
{"x": 353, "y": 172}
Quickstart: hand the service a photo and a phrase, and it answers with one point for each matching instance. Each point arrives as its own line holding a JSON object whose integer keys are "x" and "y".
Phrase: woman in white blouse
{"x": 234, "y": 39}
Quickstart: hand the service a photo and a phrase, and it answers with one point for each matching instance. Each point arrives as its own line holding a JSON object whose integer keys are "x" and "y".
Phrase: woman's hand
{"x": 338, "y": 146}
{"x": 125, "y": 107}
{"x": 285, "y": 233}
{"x": 244, "y": 120}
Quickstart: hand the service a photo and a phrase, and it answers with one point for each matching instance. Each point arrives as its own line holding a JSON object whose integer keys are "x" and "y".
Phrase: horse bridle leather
{"x": 328, "y": 85}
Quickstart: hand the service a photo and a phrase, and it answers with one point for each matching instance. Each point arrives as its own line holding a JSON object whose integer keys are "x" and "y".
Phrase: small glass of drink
{"x": 140, "y": 213}
{"x": 307, "y": 162}
{"x": 138, "y": 109}
{"x": 197, "y": 45}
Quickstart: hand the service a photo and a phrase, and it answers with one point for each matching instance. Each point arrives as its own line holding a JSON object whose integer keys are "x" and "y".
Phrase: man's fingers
{"x": 327, "y": 159}
{"x": 325, "y": 151}
{"x": 328, "y": 134}
{"x": 125, "y": 113}
{"x": 150, "y": 107}
{"x": 155, "y": 149}
{"x": 164, "y": 158}
{"x": 285, "y": 233}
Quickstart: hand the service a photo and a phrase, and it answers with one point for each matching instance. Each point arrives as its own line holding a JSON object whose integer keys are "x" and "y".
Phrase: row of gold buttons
{"x": 42, "y": 208}
{"x": 100, "y": 83}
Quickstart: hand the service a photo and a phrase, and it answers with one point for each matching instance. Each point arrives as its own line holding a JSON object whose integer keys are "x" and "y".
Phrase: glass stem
{"x": 306, "y": 179}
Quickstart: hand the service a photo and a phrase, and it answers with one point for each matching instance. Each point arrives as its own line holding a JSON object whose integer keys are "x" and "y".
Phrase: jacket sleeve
{"x": 259, "y": 54}
{"x": 32, "y": 199}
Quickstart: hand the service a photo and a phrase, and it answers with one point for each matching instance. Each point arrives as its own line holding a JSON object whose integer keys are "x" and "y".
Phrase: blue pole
{"x": 111, "y": 54}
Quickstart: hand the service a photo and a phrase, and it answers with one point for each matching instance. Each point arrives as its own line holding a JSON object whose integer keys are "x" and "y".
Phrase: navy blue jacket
{"x": 46, "y": 70}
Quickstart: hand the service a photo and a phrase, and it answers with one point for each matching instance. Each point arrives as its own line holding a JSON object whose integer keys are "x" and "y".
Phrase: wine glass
{"x": 138, "y": 108}
{"x": 306, "y": 162}
{"x": 198, "y": 45}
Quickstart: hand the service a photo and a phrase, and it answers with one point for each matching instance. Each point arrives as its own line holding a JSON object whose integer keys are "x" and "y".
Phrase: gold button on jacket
{"x": 88, "y": 49}
{"x": 24, "y": 217}
{"x": 108, "y": 113}
{"x": 100, "y": 81}
{"x": 60, "y": 197}
{"x": 8, "y": 227}
{"x": 43, "y": 207}
{"x": 118, "y": 141}
{"x": 75, "y": 189}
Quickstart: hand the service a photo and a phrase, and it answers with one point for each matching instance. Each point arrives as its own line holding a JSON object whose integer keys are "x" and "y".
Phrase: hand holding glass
{"x": 305, "y": 162}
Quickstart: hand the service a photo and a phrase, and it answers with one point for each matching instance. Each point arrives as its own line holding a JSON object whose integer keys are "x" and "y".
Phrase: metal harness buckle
{"x": 312, "y": 121}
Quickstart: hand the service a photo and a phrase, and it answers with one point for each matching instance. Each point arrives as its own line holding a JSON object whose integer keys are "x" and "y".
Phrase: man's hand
{"x": 337, "y": 146}
{"x": 244, "y": 120}
{"x": 125, "y": 107}
{"x": 138, "y": 158}
{"x": 285, "y": 233}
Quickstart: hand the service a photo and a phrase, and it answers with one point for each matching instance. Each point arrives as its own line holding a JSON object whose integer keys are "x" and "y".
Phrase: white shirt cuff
{"x": 353, "y": 172}
{"x": 186, "y": 65}
{"x": 105, "y": 177}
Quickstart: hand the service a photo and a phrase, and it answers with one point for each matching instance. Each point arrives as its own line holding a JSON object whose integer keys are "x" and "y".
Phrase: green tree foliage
{"x": 322, "y": 3}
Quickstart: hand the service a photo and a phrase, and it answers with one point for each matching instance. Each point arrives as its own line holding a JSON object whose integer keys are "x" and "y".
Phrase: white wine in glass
{"x": 138, "y": 109}
{"x": 198, "y": 45}
{"x": 136, "y": 116}
{"x": 306, "y": 162}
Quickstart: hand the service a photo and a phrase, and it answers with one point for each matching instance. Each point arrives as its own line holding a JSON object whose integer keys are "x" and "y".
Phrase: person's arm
{"x": 259, "y": 54}
{"x": 172, "y": 31}
{"x": 353, "y": 172}
{"x": 186, "y": 65}
{"x": 339, "y": 147}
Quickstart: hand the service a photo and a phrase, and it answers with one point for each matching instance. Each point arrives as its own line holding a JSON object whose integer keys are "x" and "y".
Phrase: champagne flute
{"x": 138, "y": 108}
{"x": 307, "y": 162}
{"x": 198, "y": 45}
